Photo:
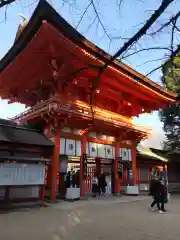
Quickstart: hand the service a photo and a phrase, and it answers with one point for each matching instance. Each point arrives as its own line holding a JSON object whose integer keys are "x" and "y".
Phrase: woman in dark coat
{"x": 159, "y": 192}
{"x": 163, "y": 196}
{"x": 154, "y": 191}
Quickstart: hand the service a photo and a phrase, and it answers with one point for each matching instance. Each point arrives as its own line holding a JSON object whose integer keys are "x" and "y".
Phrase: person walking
{"x": 102, "y": 183}
{"x": 154, "y": 191}
{"x": 159, "y": 193}
{"x": 94, "y": 185}
{"x": 163, "y": 196}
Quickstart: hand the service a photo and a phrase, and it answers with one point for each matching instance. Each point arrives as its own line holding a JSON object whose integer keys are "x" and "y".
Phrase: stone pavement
{"x": 102, "y": 218}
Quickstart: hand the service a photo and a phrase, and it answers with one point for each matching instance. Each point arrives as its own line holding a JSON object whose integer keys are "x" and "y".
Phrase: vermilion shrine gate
{"x": 51, "y": 68}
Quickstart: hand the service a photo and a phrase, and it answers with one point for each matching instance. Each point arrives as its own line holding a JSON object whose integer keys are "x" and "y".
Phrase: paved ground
{"x": 111, "y": 218}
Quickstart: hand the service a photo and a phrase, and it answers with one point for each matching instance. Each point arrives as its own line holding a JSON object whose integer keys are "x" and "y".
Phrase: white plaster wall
{"x": 125, "y": 154}
{"x": 101, "y": 150}
{"x": 62, "y": 146}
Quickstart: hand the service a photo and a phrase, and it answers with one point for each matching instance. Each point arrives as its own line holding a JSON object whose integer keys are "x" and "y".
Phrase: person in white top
{"x": 94, "y": 185}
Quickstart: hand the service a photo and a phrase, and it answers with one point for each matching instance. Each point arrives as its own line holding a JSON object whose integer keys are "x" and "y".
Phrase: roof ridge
{"x": 18, "y": 127}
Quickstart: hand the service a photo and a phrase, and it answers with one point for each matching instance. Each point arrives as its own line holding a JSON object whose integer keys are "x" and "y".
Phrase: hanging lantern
{"x": 53, "y": 131}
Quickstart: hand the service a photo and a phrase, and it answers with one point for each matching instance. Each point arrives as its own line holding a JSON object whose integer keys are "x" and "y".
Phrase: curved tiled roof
{"x": 10, "y": 132}
{"x": 45, "y": 12}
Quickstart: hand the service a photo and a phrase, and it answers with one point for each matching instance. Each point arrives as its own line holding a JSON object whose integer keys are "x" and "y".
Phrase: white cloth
{"x": 95, "y": 180}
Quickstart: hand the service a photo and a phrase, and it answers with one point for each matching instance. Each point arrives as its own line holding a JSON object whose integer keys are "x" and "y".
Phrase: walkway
{"x": 111, "y": 218}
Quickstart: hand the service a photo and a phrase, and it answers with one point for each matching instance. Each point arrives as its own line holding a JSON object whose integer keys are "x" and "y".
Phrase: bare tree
{"x": 128, "y": 47}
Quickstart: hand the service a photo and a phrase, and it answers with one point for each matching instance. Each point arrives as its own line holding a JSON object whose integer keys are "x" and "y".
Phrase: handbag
{"x": 167, "y": 198}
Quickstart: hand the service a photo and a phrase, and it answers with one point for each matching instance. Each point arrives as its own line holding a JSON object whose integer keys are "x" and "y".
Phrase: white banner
{"x": 12, "y": 174}
{"x": 125, "y": 154}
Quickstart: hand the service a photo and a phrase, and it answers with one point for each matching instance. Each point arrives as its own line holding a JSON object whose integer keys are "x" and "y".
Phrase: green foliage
{"x": 171, "y": 115}
{"x": 171, "y": 74}
{"x": 39, "y": 126}
{"x": 28, "y": 126}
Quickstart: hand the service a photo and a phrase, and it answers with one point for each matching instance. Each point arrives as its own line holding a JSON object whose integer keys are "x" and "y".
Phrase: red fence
{"x": 88, "y": 181}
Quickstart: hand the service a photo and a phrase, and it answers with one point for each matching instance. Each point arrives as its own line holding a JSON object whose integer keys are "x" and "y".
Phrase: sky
{"x": 119, "y": 23}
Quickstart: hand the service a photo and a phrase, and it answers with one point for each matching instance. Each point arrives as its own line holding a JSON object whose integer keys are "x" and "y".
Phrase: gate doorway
{"x": 88, "y": 182}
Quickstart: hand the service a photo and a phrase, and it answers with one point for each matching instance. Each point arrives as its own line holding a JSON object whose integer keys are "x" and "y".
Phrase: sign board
{"x": 13, "y": 174}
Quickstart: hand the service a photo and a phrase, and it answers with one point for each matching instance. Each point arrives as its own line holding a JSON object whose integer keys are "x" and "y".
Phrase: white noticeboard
{"x": 13, "y": 174}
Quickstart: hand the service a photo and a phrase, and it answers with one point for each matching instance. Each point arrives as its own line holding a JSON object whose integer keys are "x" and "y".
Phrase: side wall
{"x": 144, "y": 176}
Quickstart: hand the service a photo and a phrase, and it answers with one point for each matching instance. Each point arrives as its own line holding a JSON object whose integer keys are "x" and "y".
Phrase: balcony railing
{"x": 79, "y": 109}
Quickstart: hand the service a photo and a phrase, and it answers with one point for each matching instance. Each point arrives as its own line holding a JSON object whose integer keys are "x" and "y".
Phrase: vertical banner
{"x": 120, "y": 170}
{"x": 84, "y": 165}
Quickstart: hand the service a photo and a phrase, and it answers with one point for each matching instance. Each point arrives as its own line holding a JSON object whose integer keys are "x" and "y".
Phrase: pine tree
{"x": 171, "y": 115}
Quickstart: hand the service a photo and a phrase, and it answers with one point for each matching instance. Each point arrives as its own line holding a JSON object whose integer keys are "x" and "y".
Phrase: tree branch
{"x": 172, "y": 19}
{"x": 99, "y": 19}
{"x": 146, "y": 49}
{"x": 157, "y": 13}
{"x": 94, "y": 20}
{"x": 149, "y": 61}
{"x": 144, "y": 29}
{"x": 5, "y": 2}
{"x": 82, "y": 16}
{"x": 154, "y": 70}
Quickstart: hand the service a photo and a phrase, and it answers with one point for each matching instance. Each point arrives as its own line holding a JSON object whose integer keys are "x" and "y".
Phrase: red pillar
{"x": 83, "y": 151}
{"x": 134, "y": 171}
{"x": 55, "y": 164}
{"x": 116, "y": 178}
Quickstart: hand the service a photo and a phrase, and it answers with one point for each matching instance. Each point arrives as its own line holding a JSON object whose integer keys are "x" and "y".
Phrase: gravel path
{"x": 111, "y": 218}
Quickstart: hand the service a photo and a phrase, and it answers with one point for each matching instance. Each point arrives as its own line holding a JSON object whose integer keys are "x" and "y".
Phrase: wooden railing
{"x": 78, "y": 108}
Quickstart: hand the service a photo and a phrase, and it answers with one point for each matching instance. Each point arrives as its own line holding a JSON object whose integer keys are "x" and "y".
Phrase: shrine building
{"x": 53, "y": 69}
